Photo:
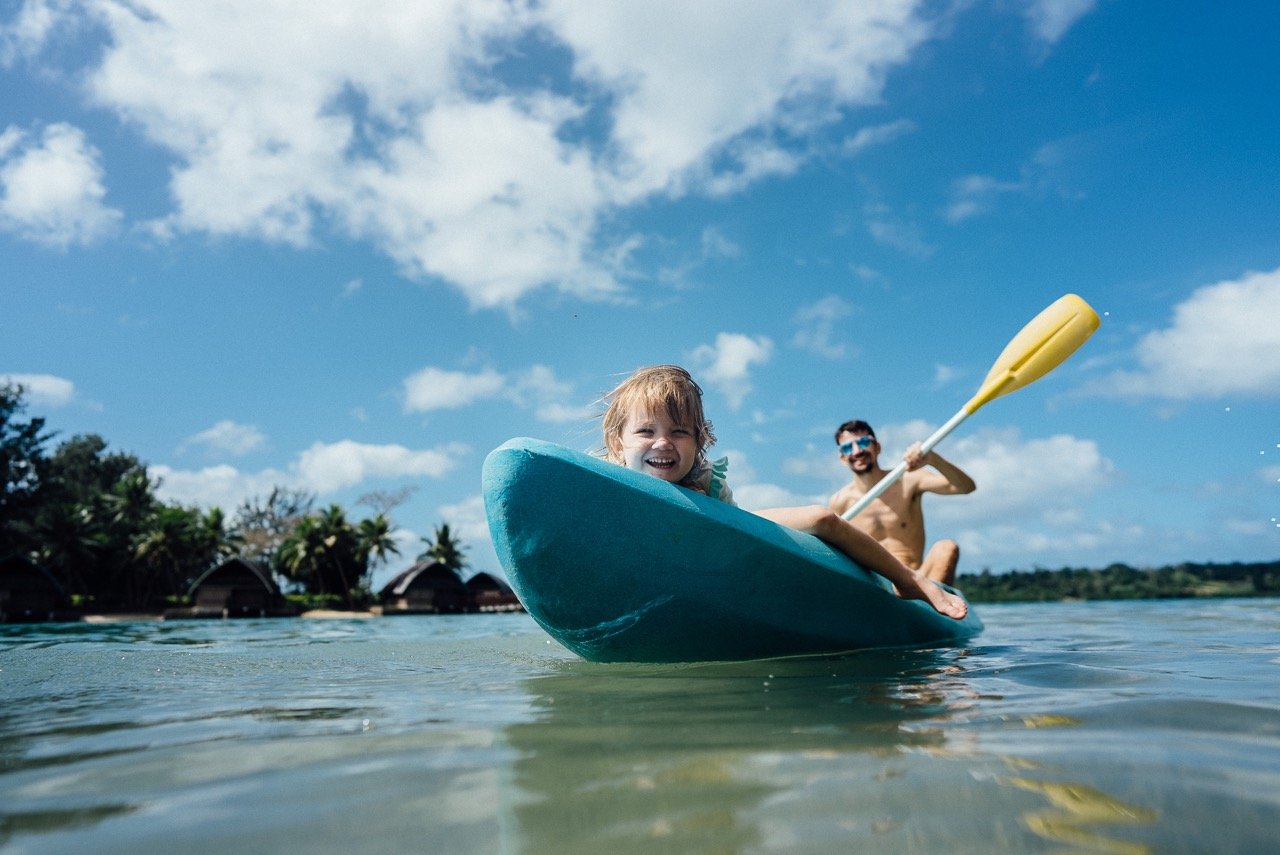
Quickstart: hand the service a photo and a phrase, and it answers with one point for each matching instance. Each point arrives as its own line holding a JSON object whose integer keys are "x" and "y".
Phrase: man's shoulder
{"x": 841, "y": 500}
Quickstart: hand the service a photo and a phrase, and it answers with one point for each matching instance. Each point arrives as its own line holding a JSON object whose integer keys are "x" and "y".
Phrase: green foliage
{"x": 91, "y": 517}
{"x": 22, "y": 463}
{"x": 447, "y": 549}
{"x": 326, "y": 555}
{"x": 1122, "y": 582}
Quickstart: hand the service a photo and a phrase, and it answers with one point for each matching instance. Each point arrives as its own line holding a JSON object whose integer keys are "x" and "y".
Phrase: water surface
{"x": 1088, "y": 727}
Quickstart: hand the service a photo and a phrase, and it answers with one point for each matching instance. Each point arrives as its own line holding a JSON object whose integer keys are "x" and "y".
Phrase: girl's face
{"x": 654, "y": 444}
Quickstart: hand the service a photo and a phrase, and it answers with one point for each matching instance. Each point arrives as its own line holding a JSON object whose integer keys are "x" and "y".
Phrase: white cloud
{"x": 536, "y": 388}
{"x": 324, "y": 468}
{"x": 866, "y": 138}
{"x": 438, "y": 389}
{"x": 817, "y": 322}
{"x": 327, "y": 468}
{"x": 539, "y": 389}
{"x": 1222, "y": 341}
{"x": 42, "y": 390}
{"x": 1018, "y": 477}
{"x": 1050, "y": 19}
{"x": 228, "y": 437}
{"x": 448, "y": 152}
{"x": 726, "y": 365}
{"x": 51, "y": 189}
{"x": 973, "y": 195}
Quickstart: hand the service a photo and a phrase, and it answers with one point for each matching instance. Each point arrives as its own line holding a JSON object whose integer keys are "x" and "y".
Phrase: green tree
{"x": 446, "y": 549}
{"x": 94, "y": 504}
{"x": 375, "y": 540}
{"x": 22, "y": 465}
{"x": 323, "y": 553}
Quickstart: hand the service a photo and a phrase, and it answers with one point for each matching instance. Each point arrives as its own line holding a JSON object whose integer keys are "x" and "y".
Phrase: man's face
{"x": 859, "y": 451}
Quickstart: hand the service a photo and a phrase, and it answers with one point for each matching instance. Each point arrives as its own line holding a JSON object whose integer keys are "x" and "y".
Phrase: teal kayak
{"x": 622, "y": 567}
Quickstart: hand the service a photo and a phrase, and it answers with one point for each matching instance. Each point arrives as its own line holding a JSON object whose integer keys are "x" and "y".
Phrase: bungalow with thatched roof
{"x": 491, "y": 594}
{"x": 428, "y": 587}
{"x": 235, "y": 588}
{"x": 29, "y": 593}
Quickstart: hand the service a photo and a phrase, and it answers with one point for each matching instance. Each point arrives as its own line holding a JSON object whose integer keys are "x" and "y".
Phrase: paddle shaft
{"x": 1037, "y": 349}
{"x": 898, "y": 471}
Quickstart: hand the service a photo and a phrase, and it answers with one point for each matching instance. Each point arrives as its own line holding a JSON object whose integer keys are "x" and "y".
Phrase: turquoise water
{"x": 1089, "y": 727}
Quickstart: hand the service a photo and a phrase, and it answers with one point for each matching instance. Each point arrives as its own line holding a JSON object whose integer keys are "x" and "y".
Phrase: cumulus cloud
{"x": 1222, "y": 341}
{"x": 51, "y": 187}
{"x": 327, "y": 467}
{"x": 535, "y": 388}
{"x": 489, "y": 141}
{"x": 42, "y": 390}
{"x": 726, "y": 365}
{"x": 1018, "y": 476}
{"x": 438, "y": 389}
{"x": 324, "y": 468}
{"x": 227, "y": 437}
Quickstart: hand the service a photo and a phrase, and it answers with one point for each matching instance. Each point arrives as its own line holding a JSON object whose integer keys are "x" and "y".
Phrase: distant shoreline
{"x": 125, "y": 617}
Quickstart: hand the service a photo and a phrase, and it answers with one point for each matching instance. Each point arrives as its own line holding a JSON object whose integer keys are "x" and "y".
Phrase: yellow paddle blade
{"x": 1041, "y": 346}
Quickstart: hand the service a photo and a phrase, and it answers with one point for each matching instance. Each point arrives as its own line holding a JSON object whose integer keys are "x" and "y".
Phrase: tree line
{"x": 91, "y": 518}
{"x": 1122, "y": 582}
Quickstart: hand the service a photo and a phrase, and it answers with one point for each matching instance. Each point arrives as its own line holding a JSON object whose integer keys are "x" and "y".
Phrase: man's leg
{"x": 940, "y": 564}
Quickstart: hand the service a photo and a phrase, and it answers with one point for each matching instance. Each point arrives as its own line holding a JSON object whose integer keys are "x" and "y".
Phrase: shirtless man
{"x": 896, "y": 518}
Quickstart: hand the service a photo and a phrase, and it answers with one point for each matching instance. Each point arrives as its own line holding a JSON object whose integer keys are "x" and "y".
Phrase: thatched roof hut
{"x": 235, "y": 588}
{"x": 29, "y": 593}
{"x": 491, "y": 594}
{"x": 428, "y": 587}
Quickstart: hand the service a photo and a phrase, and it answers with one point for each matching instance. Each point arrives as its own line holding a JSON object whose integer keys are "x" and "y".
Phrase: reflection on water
{"x": 698, "y": 758}
{"x": 1083, "y": 727}
{"x": 1075, "y": 809}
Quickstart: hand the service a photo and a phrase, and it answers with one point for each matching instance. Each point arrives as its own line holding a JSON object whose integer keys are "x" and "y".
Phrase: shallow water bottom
{"x": 1112, "y": 727}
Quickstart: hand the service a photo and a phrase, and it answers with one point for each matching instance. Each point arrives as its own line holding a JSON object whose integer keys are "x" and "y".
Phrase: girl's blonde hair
{"x": 654, "y": 389}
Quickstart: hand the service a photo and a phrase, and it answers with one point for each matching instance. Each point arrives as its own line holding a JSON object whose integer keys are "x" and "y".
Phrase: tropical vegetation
{"x": 1122, "y": 582}
{"x": 92, "y": 518}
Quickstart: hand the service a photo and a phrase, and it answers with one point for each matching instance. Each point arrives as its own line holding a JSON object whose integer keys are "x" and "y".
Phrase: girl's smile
{"x": 655, "y": 444}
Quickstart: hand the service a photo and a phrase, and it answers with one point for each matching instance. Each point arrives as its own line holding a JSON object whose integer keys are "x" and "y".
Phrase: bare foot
{"x": 943, "y": 601}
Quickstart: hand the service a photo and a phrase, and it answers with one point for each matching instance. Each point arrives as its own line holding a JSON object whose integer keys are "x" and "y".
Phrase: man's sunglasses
{"x": 863, "y": 442}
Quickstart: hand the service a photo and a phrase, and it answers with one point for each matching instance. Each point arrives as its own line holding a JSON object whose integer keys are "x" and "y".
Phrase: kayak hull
{"x": 623, "y": 567}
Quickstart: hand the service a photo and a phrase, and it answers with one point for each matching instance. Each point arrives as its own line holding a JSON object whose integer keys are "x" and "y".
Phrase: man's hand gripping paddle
{"x": 1041, "y": 346}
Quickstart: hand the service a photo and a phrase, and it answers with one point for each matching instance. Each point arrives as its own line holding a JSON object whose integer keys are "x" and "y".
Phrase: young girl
{"x": 654, "y": 424}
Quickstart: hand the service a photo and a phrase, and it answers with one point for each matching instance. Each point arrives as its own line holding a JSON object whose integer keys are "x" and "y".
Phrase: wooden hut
{"x": 490, "y": 594}
{"x": 235, "y": 588}
{"x": 428, "y": 587}
{"x": 29, "y": 593}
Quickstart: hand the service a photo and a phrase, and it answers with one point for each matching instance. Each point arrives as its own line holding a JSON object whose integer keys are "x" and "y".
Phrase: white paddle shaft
{"x": 897, "y": 472}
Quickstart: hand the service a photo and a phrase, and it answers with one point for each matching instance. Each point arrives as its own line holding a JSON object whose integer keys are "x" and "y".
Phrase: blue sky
{"x": 269, "y": 243}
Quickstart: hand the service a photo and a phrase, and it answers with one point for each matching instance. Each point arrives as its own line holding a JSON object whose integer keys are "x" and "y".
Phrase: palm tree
{"x": 323, "y": 553}
{"x": 168, "y": 551}
{"x": 374, "y": 539}
{"x": 445, "y": 549}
